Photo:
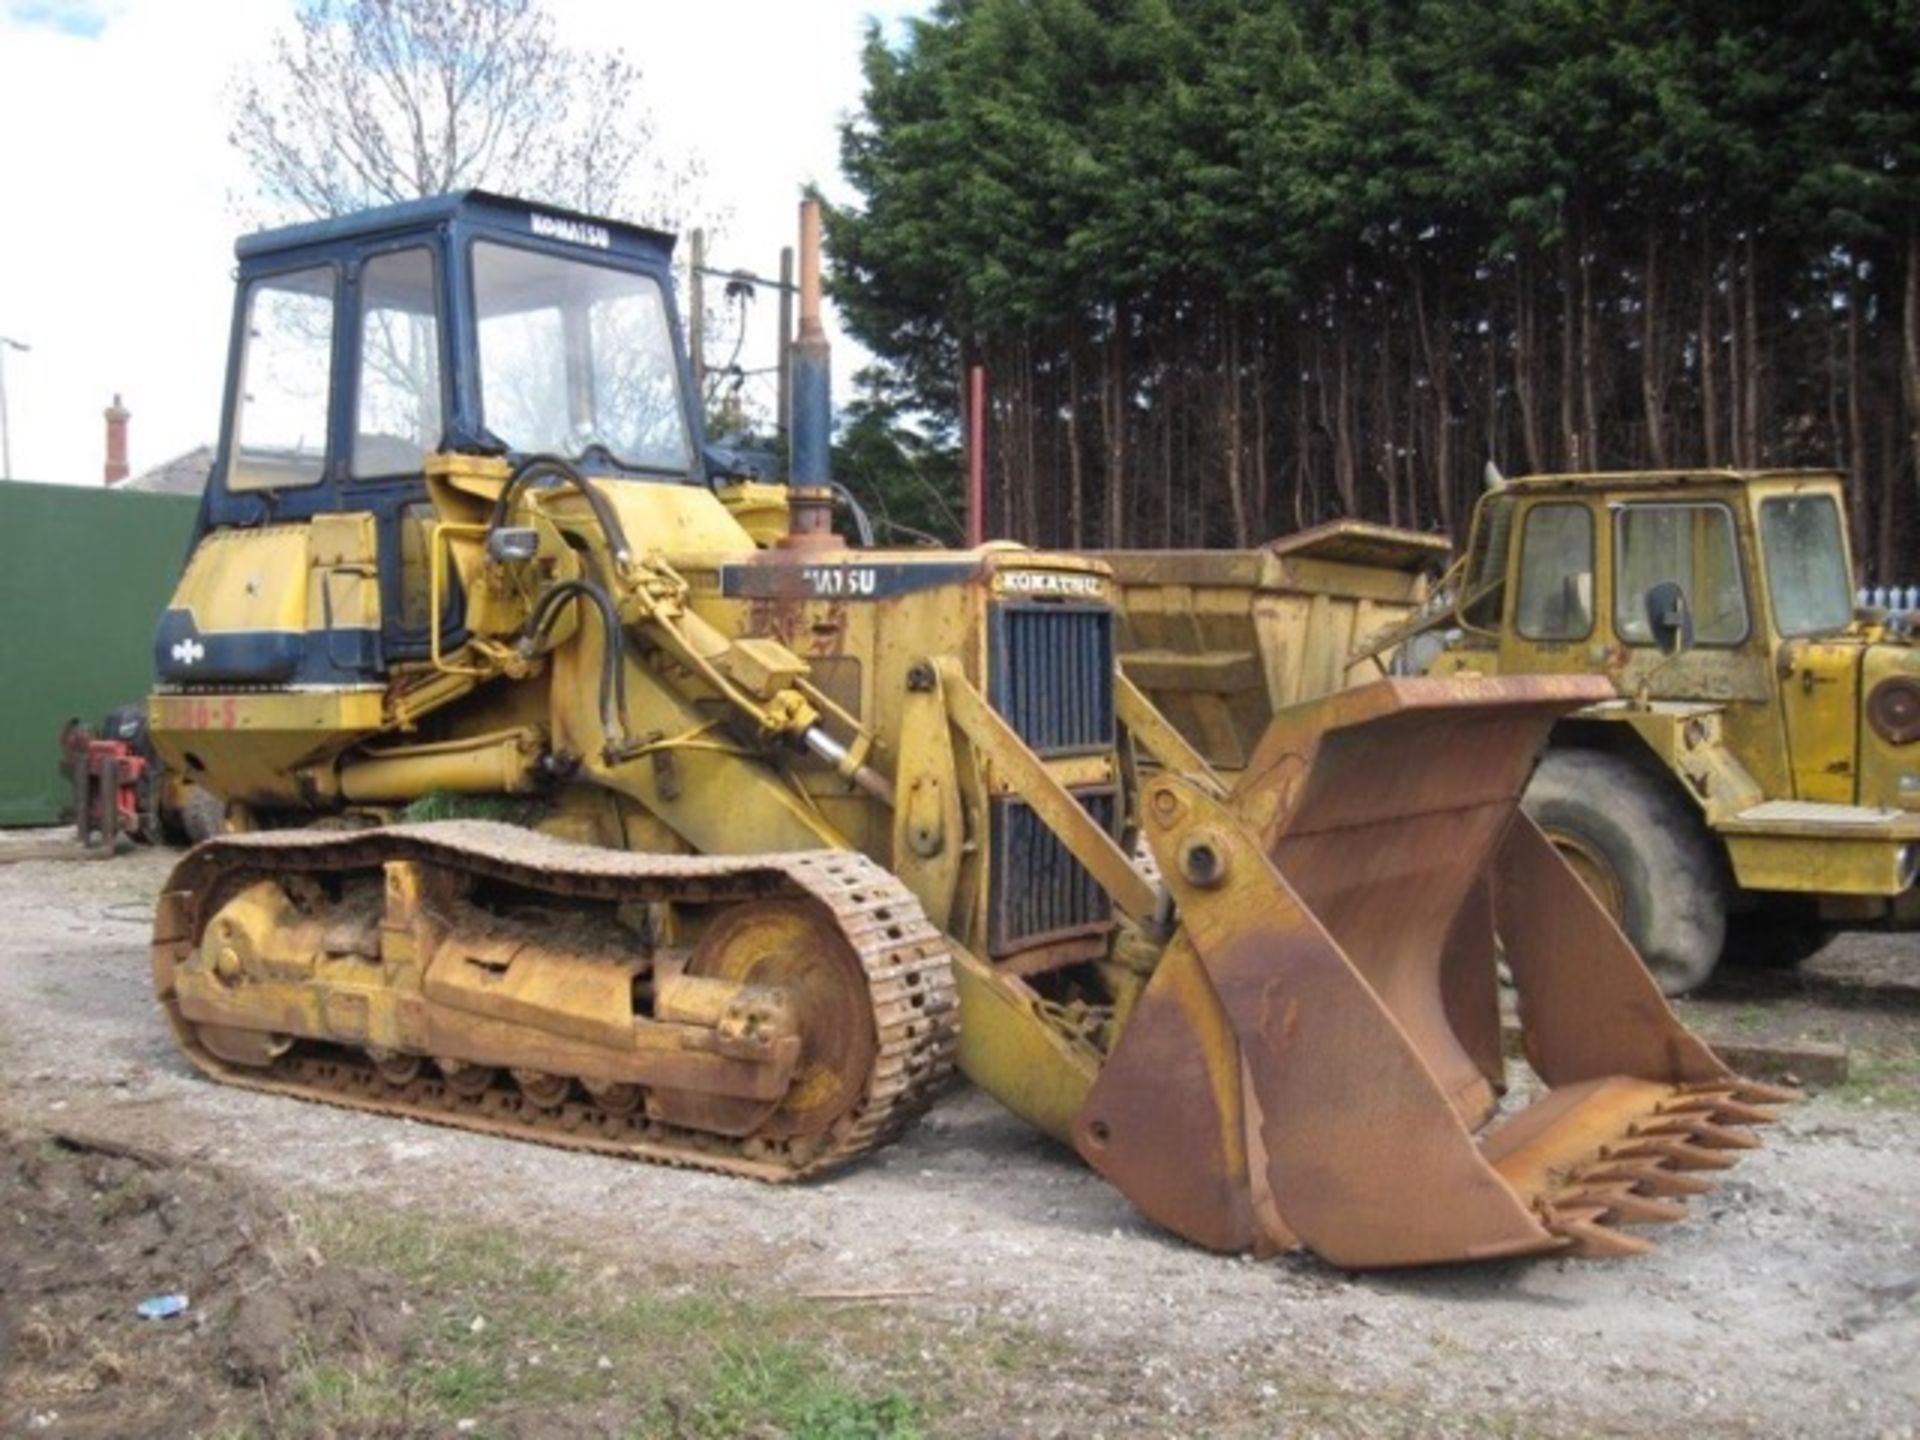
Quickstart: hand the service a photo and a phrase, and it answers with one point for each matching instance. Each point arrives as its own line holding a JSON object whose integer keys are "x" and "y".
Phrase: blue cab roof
{"x": 478, "y": 209}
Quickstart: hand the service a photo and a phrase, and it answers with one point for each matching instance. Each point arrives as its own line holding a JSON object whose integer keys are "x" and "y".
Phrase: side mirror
{"x": 1669, "y": 617}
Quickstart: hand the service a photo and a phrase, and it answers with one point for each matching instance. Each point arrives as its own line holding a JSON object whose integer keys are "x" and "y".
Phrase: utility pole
{"x": 976, "y": 456}
{"x": 784, "y": 409}
{"x": 697, "y": 330}
{"x": 7, "y": 343}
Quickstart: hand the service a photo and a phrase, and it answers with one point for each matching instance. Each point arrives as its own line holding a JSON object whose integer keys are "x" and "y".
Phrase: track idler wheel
{"x": 795, "y": 973}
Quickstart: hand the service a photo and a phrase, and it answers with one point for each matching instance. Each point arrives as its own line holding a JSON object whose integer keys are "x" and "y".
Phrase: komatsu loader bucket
{"x": 1317, "y": 1060}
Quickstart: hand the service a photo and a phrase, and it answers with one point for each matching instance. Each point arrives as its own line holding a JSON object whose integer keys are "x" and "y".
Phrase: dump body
{"x": 1218, "y": 640}
{"x": 799, "y": 827}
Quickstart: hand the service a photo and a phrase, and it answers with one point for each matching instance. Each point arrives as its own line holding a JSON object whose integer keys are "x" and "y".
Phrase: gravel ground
{"x": 1787, "y": 1304}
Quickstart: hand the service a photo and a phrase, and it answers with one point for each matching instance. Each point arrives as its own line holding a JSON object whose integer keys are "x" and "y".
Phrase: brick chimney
{"x": 117, "y": 417}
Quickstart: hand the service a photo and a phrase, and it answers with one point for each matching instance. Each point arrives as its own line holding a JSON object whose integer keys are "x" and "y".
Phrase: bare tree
{"x": 373, "y": 101}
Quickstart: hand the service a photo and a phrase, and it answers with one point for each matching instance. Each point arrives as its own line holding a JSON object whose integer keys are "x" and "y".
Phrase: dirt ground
{"x": 337, "y": 1264}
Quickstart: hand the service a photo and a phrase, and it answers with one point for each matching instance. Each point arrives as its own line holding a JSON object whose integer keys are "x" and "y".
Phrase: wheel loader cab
{"x": 1579, "y": 570}
{"x": 1761, "y": 565}
{"x": 467, "y": 324}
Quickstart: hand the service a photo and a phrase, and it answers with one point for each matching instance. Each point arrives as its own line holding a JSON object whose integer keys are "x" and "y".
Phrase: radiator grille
{"x": 1040, "y": 891}
{"x": 1051, "y": 675}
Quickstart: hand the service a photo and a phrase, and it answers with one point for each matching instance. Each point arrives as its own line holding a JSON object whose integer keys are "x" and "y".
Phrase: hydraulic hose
{"x": 613, "y": 675}
{"x": 862, "y": 522}
{"x": 536, "y": 465}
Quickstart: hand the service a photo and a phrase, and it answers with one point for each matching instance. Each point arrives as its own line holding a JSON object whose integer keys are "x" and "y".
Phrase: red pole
{"x": 977, "y": 456}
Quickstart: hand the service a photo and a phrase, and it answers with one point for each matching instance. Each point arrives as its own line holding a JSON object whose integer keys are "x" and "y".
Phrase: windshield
{"x": 1806, "y": 564}
{"x": 574, "y": 355}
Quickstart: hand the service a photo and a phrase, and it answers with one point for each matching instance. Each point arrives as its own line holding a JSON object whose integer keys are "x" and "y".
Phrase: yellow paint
{"x": 1850, "y": 860}
{"x": 929, "y": 828}
{"x": 455, "y": 985}
{"x": 760, "y": 508}
{"x": 667, "y": 519}
{"x": 1769, "y": 718}
{"x": 1010, "y": 1051}
{"x": 343, "y": 588}
{"x": 1820, "y": 700}
{"x": 1889, "y": 773}
{"x": 251, "y": 745}
{"x": 247, "y": 581}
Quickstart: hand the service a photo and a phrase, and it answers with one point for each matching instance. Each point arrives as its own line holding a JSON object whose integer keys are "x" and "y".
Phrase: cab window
{"x": 1556, "y": 574}
{"x": 286, "y": 369}
{"x": 576, "y": 355}
{"x": 397, "y": 416}
{"x": 1493, "y": 527}
{"x": 1691, "y": 545}
{"x": 1806, "y": 564}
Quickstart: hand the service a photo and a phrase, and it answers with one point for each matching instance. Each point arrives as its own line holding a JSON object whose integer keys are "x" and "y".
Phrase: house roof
{"x": 185, "y": 474}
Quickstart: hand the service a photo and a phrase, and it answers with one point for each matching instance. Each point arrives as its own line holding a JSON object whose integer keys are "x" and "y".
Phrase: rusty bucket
{"x": 1317, "y": 1060}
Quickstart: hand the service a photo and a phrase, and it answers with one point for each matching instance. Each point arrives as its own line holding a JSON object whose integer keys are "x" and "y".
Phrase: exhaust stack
{"x": 812, "y": 366}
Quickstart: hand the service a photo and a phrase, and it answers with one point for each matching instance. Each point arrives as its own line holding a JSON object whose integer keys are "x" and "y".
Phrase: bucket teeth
{"x": 1620, "y": 1200}
{"x": 1676, "y": 1154}
{"x": 1753, "y": 1093}
{"x": 1721, "y": 1109}
{"x": 1744, "y": 1092}
{"x": 1740, "y": 1112}
{"x": 1591, "y": 1236}
{"x": 1641, "y": 1177}
{"x": 1648, "y": 1178}
{"x": 1701, "y": 1130}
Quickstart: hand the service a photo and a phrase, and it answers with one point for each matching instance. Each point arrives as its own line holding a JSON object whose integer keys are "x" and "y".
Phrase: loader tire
{"x": 203, "y": 816}
{"x": 1643, "y": 852}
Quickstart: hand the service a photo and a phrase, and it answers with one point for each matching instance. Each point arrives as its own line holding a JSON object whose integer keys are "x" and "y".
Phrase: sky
{"x": 116, "y": 242}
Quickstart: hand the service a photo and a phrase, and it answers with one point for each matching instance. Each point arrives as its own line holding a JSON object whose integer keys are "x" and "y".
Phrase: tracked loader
{"x": 586, "y": 796}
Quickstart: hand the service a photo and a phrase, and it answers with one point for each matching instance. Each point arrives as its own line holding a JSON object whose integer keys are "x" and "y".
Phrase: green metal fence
{"x": 84, "y": 575}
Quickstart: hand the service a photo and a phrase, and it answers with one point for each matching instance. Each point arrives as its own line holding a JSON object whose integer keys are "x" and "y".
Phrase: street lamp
{"x": 7, "y": 342}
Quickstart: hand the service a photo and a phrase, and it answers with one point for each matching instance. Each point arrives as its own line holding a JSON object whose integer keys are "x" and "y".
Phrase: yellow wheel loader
{"x": 590, "y": 798}
{"x": 1756, "y": 761}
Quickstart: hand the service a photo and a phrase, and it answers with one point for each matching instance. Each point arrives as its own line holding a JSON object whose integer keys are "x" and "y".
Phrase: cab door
{"x": 1810, "y": 595}
{"x": 1820, "y": 700}
{"x": 1554, "y": 584}
{"x": 400, "y": 404}
{"x": 1700, "y": 542}
{"x": 1698, "y": 545}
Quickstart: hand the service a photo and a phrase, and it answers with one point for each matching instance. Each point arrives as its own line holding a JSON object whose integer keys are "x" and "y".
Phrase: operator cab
{"x": 1722, "y": 592}
{"x": 466, "y": 323}
{"x": 1753, "y": 560}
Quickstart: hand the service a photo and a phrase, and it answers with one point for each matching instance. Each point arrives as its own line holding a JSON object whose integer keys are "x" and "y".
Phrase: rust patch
{"x": 777, "y": 619}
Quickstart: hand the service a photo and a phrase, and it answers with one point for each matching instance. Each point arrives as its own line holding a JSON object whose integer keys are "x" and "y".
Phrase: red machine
{"x": 111, "y": 786}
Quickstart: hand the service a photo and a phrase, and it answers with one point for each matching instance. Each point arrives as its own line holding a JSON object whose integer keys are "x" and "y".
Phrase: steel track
{"x": 906, "y": 961}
